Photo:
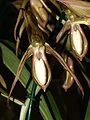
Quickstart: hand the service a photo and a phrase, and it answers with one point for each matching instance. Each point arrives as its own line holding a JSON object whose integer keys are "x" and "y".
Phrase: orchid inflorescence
{"x": 35, "y": 21}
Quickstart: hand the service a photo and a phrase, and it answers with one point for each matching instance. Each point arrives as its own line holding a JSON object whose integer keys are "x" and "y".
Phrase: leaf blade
{"x": 87, "y": 117}
{"x": 11, "y": 62}
{"x": 44, "y": 110}
{"x": 54, "y": 106}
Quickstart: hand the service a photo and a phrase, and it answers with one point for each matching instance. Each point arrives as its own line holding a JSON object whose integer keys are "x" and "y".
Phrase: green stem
{"x": 31, "y": 96}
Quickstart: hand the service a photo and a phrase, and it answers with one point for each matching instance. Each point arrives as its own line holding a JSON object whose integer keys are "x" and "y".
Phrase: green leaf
{"x": 8, "y": 43}
{"x": 12, "y": 62}
{"x": 2, "y": 82}
{"x": 87, "y": 117}
{"x": 44, "y": 110}
{"x": 24, "y": 109}
{"x": 53, "y": 106}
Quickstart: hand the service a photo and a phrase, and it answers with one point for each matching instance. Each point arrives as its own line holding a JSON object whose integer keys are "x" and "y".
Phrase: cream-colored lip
{"x": 40, "y": 68}
{"x": 40, "y": 71}
{"x": 78, "y": 41}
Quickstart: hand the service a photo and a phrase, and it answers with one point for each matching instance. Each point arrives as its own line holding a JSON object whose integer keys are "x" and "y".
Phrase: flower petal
{"x": 69, "y": 79}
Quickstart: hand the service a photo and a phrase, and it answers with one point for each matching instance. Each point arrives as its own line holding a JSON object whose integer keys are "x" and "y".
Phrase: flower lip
{"x": 76, "y": 39}
{"x": 40, "y": 69}
{"x": 79, "y": 42}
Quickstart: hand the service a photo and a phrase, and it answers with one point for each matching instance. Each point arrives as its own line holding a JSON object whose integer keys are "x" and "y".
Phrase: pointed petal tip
{"x": 65, "y": 88}
{"x": 82, "y": 91}
{"x": 44, "y": 89}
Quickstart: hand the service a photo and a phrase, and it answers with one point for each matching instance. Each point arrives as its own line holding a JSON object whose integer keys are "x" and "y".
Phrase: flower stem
{"x": 31, "y": 96}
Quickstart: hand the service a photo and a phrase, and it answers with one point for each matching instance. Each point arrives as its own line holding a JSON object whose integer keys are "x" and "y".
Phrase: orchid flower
{"x": 38, "y": 48}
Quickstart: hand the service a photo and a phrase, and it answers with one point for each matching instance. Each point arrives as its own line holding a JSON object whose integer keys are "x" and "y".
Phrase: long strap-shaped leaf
{"x": 24, "y": 109}
{"x": 44, "y": 110}
{"x": 11, "y": 62}
{"x": 87, "y": 117}
{"x": 54, "y": 106}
